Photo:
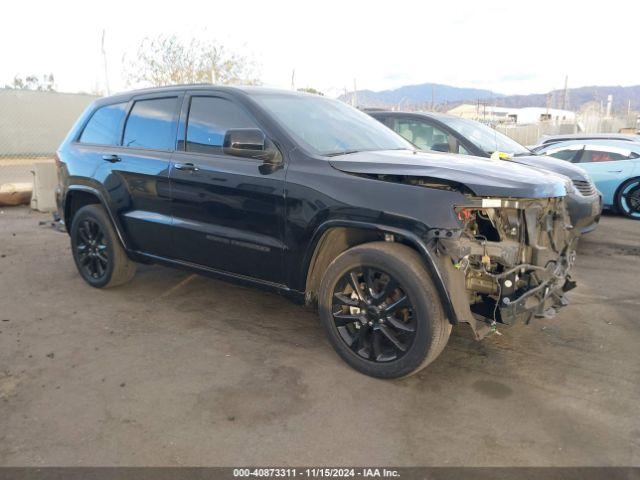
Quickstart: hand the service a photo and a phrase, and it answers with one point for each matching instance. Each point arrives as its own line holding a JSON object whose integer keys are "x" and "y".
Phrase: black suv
{"x": 311, "y": 198}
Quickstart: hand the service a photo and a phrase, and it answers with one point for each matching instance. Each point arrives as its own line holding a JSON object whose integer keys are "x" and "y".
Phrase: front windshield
{"x": 484, "y": 137}
{"x": 330, "y": 127}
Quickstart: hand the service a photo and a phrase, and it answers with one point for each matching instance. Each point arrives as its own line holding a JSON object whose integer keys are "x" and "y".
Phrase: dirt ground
{"x": 178, "y": 369}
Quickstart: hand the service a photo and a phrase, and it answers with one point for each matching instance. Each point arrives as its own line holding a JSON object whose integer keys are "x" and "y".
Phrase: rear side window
{"x": 151, "y": 124}
{"x": 104, "y": 126}
{"x": 590, "y": 155}
{"x": 208, "y": 122}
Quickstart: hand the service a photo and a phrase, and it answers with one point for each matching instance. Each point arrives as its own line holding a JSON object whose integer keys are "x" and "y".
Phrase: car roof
{"x": 545, "y": 139}
{"x": 244, "y": 89}
{"x": 435, "y": 115}
{"x": 601, "y": 142}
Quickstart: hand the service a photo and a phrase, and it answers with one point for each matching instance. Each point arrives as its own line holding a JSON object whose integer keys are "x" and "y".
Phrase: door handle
{"x": 111, "y": 158}
{"x": 614, "y": 171}
{"x": 186, "y": 167}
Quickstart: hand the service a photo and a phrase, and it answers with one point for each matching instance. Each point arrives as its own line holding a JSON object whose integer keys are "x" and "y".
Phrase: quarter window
{"x": 151, "y": 124}
{"x": 208, "y": 122}
{"x": 104, "y": 126}
{"x": 601, "y": 156}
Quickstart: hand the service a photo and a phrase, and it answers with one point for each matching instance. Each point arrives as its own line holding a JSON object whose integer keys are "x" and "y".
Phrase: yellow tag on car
{"x": 500, "y": 156}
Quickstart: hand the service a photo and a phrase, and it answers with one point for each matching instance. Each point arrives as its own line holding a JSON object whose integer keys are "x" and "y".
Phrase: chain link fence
{"x": 530, "y": 134}
{"x": 32, "y": 126}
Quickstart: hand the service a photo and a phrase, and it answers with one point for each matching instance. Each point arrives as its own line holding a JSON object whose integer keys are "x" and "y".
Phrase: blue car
{"x": 613, "y": 165}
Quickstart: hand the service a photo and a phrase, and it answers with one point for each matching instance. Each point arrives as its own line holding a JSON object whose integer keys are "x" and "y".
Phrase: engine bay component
{"x": 516, "y": 255}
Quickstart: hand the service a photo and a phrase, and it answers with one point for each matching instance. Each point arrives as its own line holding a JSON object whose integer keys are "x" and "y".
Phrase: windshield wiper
{"x": 343, "y": 152}
{"x": 348, "y": 152}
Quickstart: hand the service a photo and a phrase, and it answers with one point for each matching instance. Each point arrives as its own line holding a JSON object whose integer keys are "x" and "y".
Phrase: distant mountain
{"x": 446, "y": 96}
{"x": 418, "y": 95}
{"x": 577, "y": 97}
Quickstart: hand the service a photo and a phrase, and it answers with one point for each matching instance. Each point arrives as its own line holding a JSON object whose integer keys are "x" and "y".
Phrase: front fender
{"x": 445, "y": 281}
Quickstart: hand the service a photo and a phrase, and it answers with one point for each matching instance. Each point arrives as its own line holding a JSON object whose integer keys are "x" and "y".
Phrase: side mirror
{"x": 440, "y": 147}
{"x": 250, "y": 143}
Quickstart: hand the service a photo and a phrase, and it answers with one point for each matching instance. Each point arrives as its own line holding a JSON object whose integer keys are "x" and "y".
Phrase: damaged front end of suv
{"x": 510, "y": 261}
{"x": 505, "y": 252}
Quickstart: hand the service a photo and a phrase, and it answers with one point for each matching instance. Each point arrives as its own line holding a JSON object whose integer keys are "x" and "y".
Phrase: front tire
{"x": 628, "y": 198}
{"x": 97, "y": 252}
{"x": 381, "y": 311}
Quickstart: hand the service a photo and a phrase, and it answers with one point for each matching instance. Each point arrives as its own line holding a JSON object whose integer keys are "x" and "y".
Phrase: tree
{"x": 45, "y": 83}
{"x": 311, "y": 90}
{"x": 166, "y": 60}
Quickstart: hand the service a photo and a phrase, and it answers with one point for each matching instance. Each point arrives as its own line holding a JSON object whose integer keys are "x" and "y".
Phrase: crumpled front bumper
{"x": 510, "y": 265}
{"x": 542, "y": 301}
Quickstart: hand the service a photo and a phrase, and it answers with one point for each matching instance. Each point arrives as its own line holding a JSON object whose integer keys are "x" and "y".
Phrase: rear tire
{"x": 394, "y": 324}
{"x": 628, "y": 198}
{"x": 97, "y": 252}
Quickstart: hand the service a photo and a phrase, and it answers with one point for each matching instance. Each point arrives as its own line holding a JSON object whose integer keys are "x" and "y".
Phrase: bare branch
{"x": 166, "y": 60}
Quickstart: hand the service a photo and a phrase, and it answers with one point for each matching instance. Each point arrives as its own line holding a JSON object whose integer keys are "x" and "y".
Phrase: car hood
{"x": 483, "y": 176}
{"x": 555, "y": 165}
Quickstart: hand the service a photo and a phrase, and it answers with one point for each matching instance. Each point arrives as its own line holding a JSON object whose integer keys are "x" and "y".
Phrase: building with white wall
{"x": 521, "y": 116}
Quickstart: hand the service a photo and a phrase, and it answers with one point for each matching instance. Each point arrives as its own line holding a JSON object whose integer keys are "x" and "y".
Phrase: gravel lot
{"x": 178, "y": 369}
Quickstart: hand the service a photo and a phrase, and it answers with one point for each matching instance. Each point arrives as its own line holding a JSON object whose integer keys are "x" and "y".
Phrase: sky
{"x": 510, "y": 47}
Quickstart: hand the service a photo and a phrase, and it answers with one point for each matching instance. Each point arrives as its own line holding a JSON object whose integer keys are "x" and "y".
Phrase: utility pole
{"x": 565, "y": 93}
{"x": 293, "y": 79}
{"x": 104, "y": 58}
{"x": 354, "y": 98}
{"x": 548, "y": 102}
{"x": 433, "y": 96}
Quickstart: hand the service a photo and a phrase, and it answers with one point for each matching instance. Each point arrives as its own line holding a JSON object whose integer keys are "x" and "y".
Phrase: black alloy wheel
{"x": 97, "y": 250}
{"x": 374, "y": 314}
{"x": 91, "y": 249}
{"x": 628, "y": 198}
{"x": 381, "y": 310}
{"x": 632, "y": 200}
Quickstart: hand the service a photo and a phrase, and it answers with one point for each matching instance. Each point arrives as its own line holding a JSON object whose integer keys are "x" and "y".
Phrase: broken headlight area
{"x": 516, "y": 255}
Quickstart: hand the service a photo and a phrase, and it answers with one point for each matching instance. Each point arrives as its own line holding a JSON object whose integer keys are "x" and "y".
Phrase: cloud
{"x": 518, "y": 77}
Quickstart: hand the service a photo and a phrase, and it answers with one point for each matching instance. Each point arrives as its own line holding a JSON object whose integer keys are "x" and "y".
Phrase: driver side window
{"x": 570, "y": 153}
{"x": 567, "y": 154}
{"x": 208, "y": 121}
{"x": 424, "y": 135}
